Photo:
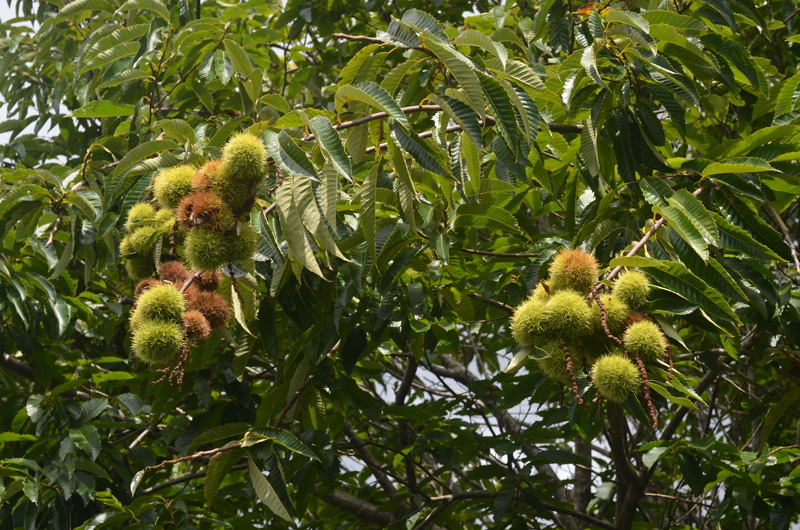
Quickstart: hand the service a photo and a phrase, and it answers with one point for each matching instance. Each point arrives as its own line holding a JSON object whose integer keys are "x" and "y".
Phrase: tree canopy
{"x": 397, "y": 342}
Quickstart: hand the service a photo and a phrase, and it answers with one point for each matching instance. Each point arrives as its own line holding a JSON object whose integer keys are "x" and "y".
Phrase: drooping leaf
{"x": 239, "y": 58}
{"x": 372, "y": 94}
{"x": 103, "y": 109}
{"x": 331, "y": 145}
{"x": 417, "y": 148}
{"x": 738, "y": 165}
{"x": 265, "y": 492}
{"x": 218, "y": 467}
{"x": 292, "y": 226}
{"x": 463, "y": 70}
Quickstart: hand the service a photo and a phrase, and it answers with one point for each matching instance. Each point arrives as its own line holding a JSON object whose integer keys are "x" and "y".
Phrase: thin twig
{"x": 189, "y": 282}
{"x": 785, "y": 231}
{"x": 497, "y": 254}
{"x": 54, "y": 230}
{"x": 642, "y": 242}
{"x": 494, "y": 303}
{"x": 195, "y": 456}
{"x": 289, "y": 404}
{"x": 378, "y": 116}
{"x": 357, "y": 38}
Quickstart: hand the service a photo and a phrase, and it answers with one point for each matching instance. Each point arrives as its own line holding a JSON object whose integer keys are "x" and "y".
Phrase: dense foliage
{"x": 423, "y": 170}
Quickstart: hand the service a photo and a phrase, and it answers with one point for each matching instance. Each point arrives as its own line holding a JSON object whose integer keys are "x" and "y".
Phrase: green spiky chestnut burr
{"x": 141, "y": 211}
{"x": 567, "y": 314}
{"x": 172, "y": 184}
{"x": 632, "y": 287}
{"x": 139, "y": 267}
{"x": 573, "y": 269}
{"x": 156, "y": 342}
{"x": 207, "y": 250}
{"x": 162, "y": 302}
{"x": 554, "y": 363}
{"x": 646, "y": 340}
{"x": 527, "y": 322}
{"x": 245, "y": 158}
{"x": 617, "y": 313}
{"x": 616, "y": 377}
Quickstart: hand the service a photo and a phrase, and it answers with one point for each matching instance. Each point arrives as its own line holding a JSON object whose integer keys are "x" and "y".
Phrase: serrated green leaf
{"x": 392, "y": 80}
{"x": 288, "y": 155}
{"x": 589, "y": 148}
{"x": 305, "y": 201}
{"x": 399, "y": 34}
{"x": 738, "y": 165}
{"x": 153, "y": 6}
{"x": 471, "y": 37}
{"x": 87, "y": 439}
{"x": 678, "y": 400}
{"x": 634, "y": 35}
{"x": 788, "y": 96}
{"x": 101, "y": 108}
{"x": 239, "y": 58}
{"x": 283, "y": 438}
{"x": 419, "y": 150}
{"x": 331, "y": 144}
{"x": 503, "y": 110}
{"x": 683, "y": 23}
{"x": 628, "y": 17}
{"x": 14, "y": 437}
{"x": 367, "y": 197}
{"x": 218, "y": 467}
{"x": 653, "y": 455}
{"x": 265, "y": 492}
{"x": 749, "y": 219}
{"x": 238, "y": 310}
{"x": 220, "y": 432}
{"x": 698, "y": 214}
{"x": 373, "y": 95}
{"x": 464, "y": 72}
{"x": 517, "y": 72}
{"x": 743, "y": 146}
{"x": 424, "y": 22}
{"x": 134, "y": 157}
{"x": 292, "y": 227}
{"x": 83, "y": 5}
{"x": 463, "y": 115}
{"x": 276, "y": 101}
{"x": 485, "y": 216}
{"x": 91, "y": 409}
{"x": 405, "y": 185}
{"x": 589, "y": 63}
{"x": 739, "y": 239}
{"x": 111, "y": 55}
{"x": 84, "y": 205}
{"x": 519, "y": 360}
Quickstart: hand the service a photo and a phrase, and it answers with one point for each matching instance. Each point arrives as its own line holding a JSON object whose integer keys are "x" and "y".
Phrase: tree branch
{"x": 185, "y": 478}
{"x": 370, "y": 461}
{"x": 494, "y": 303}
{"x": 496, "y": 254}
{"x": 776, "y": 217}
{"x": 289, "y": 404}
{"x": 378, "y": 116}
{"x": 360, "y": 508}
{"x": 357, "y": 38}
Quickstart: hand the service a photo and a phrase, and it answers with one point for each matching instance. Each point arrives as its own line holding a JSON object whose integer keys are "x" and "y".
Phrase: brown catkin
{"x": 570, "y": 369}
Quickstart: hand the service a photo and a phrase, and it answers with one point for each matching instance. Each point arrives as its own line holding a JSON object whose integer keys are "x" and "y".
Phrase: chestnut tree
{"x": 356, "y": 264}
